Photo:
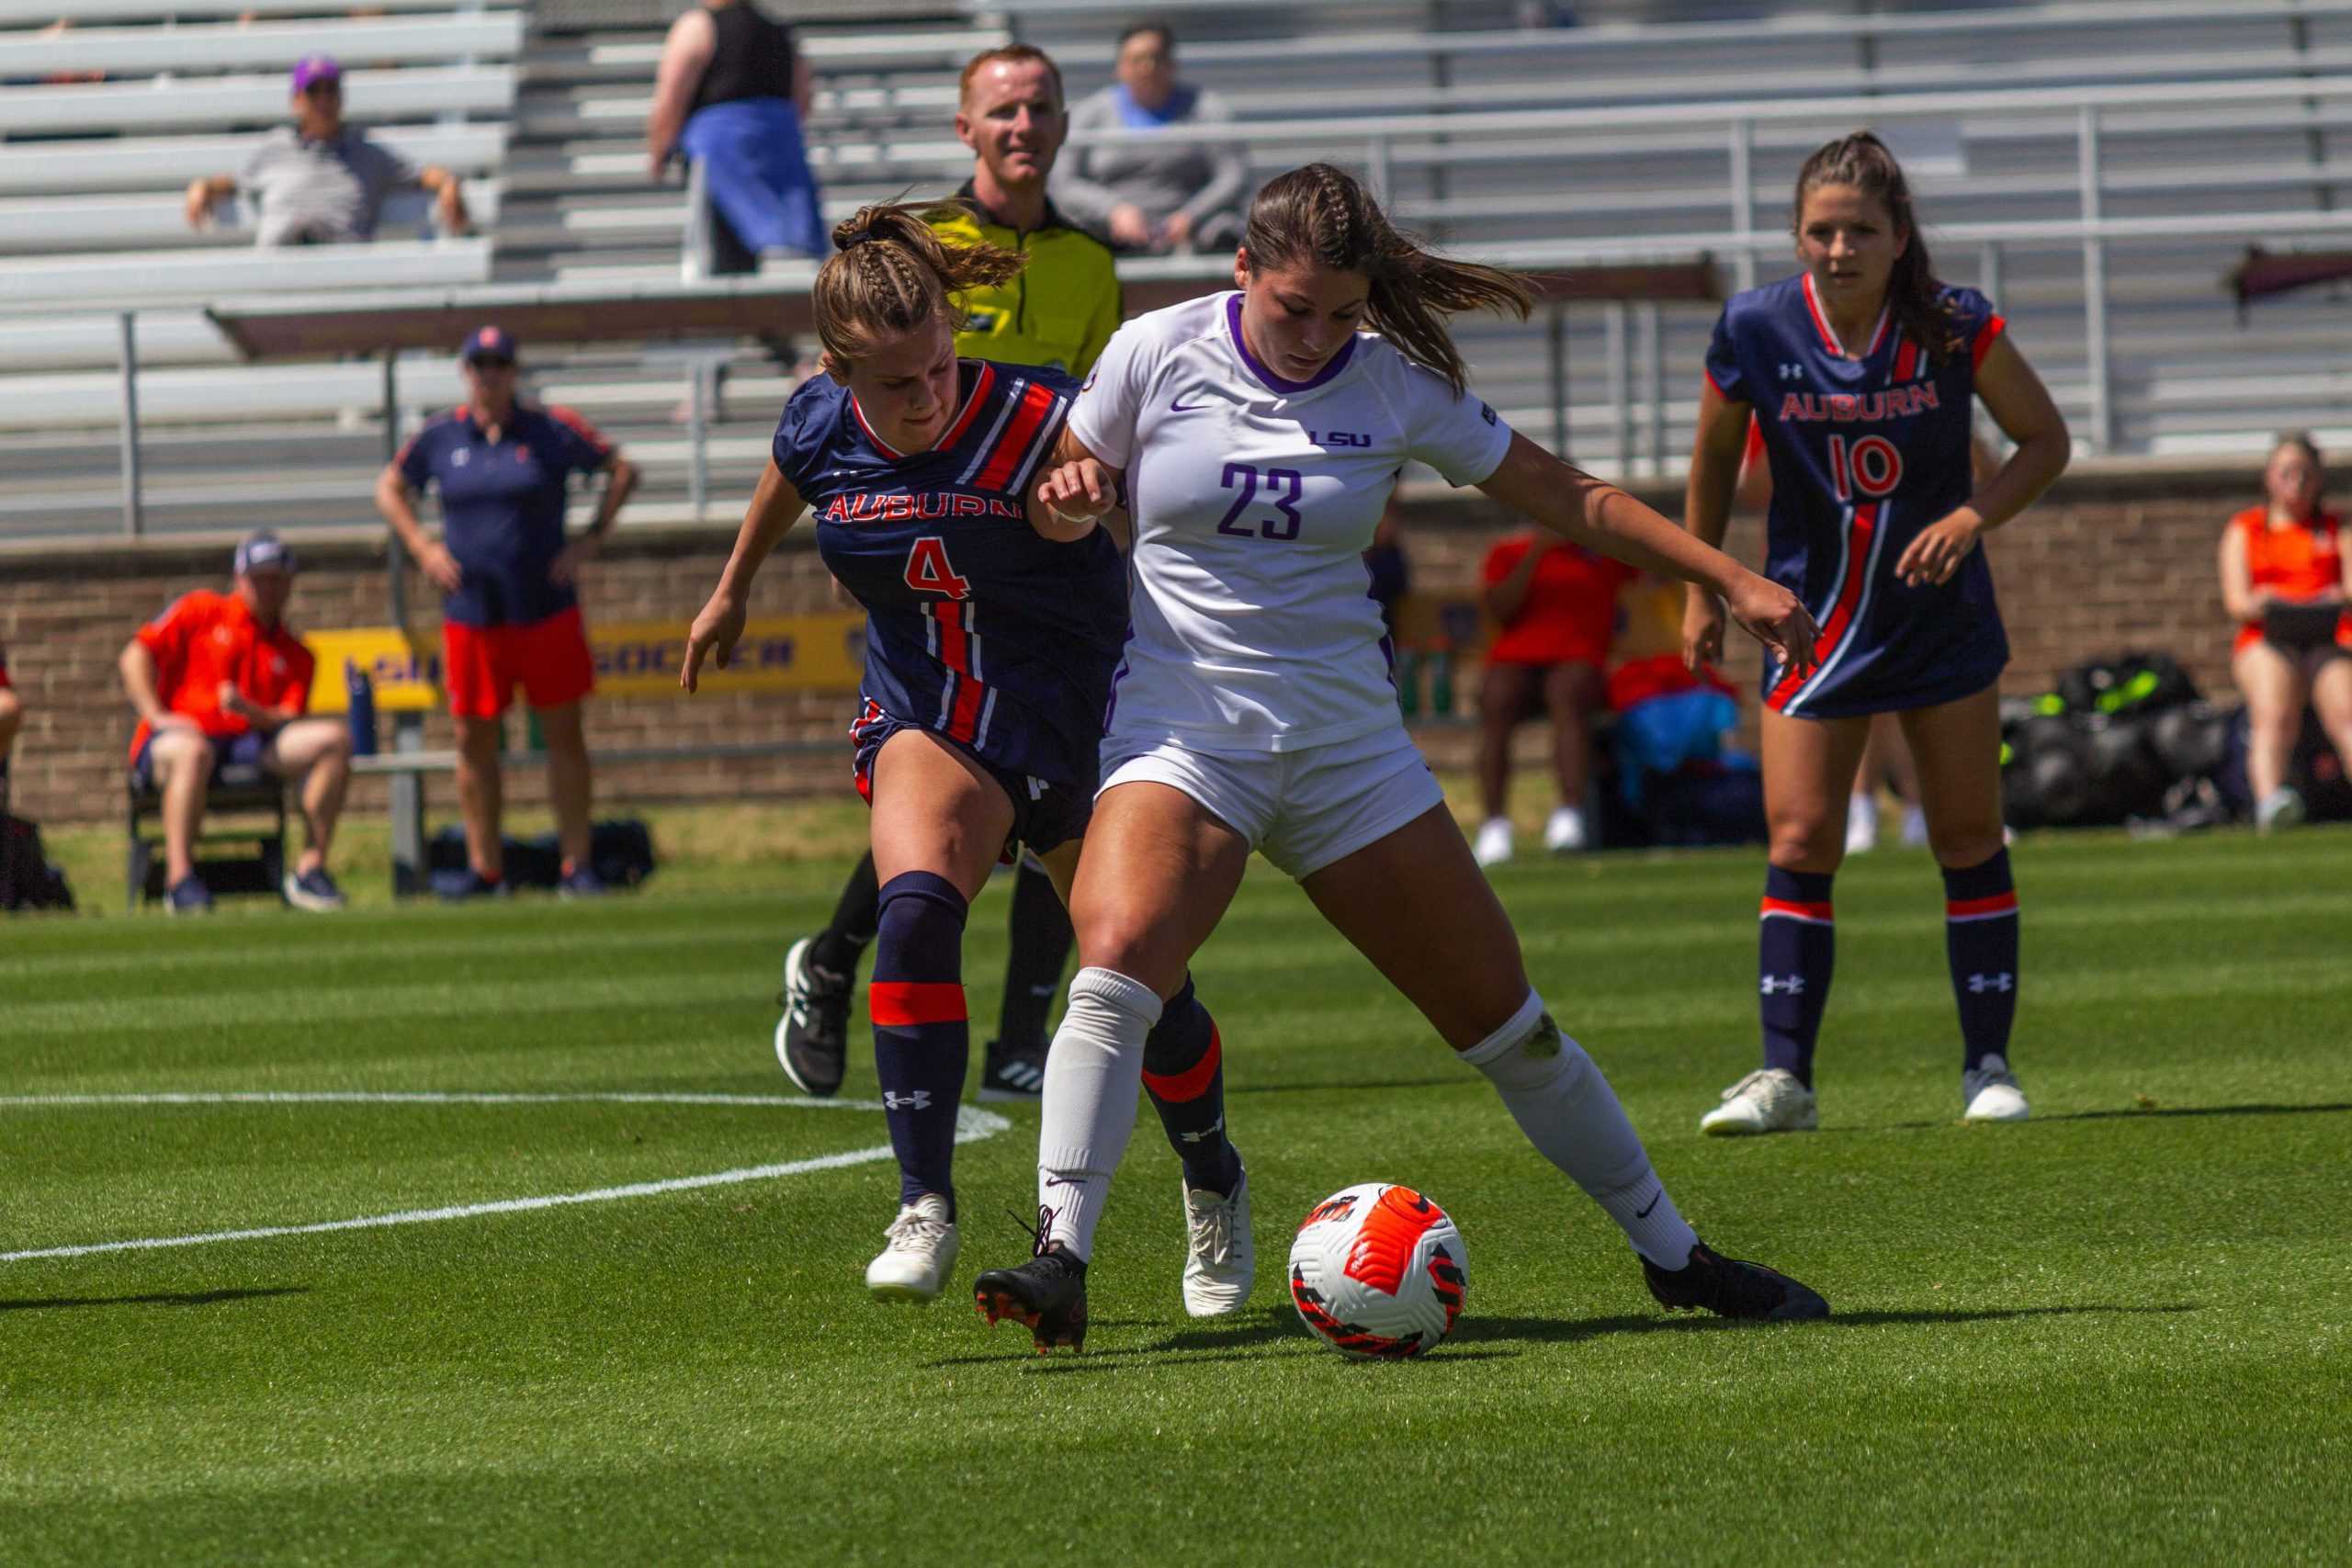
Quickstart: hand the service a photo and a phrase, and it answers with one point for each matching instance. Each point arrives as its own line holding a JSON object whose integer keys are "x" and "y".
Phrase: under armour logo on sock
{"x": 1205, "y": 1133}
{"x": 2003, "y": 981}
{"x": 1784, "y": 985}
{"x": 919, "y": 1101}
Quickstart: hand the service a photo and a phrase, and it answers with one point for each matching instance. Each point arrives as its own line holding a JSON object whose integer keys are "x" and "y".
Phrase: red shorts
{"x": 549, "y": 659}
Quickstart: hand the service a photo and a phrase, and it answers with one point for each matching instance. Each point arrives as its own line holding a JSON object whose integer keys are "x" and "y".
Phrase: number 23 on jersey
{"x": 929, "y": 571}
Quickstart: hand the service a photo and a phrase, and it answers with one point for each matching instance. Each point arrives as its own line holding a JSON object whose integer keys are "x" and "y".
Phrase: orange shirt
{"x": 2297, "y": 561}
{"x": 206, "y": 638}
{"x": 1570, "y": 612}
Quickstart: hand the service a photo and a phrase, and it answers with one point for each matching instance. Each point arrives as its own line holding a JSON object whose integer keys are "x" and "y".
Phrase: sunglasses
{"x": 491, "y": 361}
{"x": 327, "y": 89}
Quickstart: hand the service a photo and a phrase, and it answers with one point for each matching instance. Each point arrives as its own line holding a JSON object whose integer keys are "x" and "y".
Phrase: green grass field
{"x": 2117, "y": 1334}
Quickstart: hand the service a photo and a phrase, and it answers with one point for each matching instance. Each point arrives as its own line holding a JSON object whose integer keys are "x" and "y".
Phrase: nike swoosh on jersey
{"x": 1178, "y": 405}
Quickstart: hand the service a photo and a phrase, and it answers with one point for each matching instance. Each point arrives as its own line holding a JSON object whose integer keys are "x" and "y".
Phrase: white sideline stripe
{"x": 972, "y": 1125}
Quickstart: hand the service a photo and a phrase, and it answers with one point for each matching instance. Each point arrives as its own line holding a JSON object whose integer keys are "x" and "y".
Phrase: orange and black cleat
{"x": 1047, "y": 1293}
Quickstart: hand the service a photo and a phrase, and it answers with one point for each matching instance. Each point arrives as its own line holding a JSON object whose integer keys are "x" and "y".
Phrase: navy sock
{"x": 1183, "y": 1071}
{"x": 1033, "y": 974}
{"x": 1796, "y": 949}
{"x": 1981, "y": 940}
{"x": 856, "y": 918}
{"x": 921, "y": 1036}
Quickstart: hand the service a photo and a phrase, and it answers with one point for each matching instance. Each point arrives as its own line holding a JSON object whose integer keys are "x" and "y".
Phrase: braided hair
{"x": 1318, "y": 214}
{"x": 891, "y": 273}
{"x": 1913, "y": 293}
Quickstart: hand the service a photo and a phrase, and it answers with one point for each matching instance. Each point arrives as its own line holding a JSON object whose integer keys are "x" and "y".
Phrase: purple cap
{"x": 262, "y": 550}
{"x": 488, "y": 343}
{"x": 315, "y": 68}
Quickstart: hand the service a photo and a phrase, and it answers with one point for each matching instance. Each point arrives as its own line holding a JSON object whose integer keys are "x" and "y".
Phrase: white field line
{"x": 971, "y": 1127}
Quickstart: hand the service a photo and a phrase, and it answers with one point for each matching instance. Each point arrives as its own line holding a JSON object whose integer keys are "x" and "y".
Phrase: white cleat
{"x": 922, "y": 1254}
{"x": 1914, "y": 828}
{"x": 1770, "y": 1100}
{"x": 1990, "y": 1092}
{"x": 2281, "y": 809}
{"x": 1221, "y": 1262}
{"x": 1563, "y": 833}
{"x": 1492, "y": 846}
{"x": 1861, "y": 825}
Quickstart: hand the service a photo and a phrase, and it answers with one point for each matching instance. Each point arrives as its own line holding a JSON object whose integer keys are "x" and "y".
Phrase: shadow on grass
{"x": 1351, "y": 1088}
{"x": 169, "y": 1299}
{"x": 2154, "y": 1111}
{"x": 1474, "y": 1329}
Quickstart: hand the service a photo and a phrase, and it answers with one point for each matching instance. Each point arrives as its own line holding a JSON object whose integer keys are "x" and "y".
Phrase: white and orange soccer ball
{"x": 1378, "y": 1270}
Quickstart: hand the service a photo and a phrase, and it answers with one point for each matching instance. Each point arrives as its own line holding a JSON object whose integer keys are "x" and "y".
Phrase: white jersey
{"x": 1254, "y": 498}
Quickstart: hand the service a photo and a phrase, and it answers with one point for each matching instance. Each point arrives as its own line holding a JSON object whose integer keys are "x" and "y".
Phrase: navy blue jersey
{"x": 976, "y": 627}
{"x": 502, "y": 504}
{"x": 1866, "y": 452}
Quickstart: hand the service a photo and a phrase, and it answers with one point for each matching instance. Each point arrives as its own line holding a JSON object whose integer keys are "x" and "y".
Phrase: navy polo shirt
{"x": 502, "y": 506}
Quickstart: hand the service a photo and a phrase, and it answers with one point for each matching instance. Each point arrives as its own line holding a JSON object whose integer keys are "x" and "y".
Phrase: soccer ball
{"x": 1378, "y": 1270}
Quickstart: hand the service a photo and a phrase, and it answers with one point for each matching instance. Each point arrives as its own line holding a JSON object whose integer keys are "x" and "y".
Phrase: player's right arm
{"x": 396, "y": 500}
{"x": 776, "y": 507}
{"x": 1706, "y": 511}
{"x": 2240, "y": 597}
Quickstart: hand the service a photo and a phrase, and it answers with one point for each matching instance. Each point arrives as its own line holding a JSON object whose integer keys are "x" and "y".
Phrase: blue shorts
{"x": 236, "y": 760}
{"x": 1045, "y": 814}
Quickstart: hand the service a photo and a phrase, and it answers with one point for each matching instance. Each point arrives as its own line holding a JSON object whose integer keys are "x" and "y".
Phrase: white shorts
{"x": 1303, "y": 809}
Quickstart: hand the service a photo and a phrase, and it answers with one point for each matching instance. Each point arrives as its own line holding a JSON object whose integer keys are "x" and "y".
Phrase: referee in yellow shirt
{"x": 1059, "y": 310}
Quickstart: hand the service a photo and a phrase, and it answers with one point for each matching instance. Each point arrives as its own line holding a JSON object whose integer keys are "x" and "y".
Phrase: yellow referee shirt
{"x": 1059, "y": 310}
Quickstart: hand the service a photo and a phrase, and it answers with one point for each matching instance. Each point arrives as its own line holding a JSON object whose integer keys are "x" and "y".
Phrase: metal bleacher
{"x": 2095, "y": 165}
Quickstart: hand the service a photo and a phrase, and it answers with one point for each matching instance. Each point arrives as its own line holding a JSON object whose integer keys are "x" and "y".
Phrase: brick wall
{"x": 2114, "y": 557}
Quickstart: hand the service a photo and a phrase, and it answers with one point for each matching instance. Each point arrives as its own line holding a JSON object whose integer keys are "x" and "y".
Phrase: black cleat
{"x": 1048, "y": 1293}
{"x": 812, "y": 1037}
{"x": 1010, "y": 1074}
{"x": 1729, "y": 1288}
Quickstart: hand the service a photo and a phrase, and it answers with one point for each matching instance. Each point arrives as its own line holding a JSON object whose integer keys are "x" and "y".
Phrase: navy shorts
{"x": 236, "y": 760}
{"x": 1045, "y": 816}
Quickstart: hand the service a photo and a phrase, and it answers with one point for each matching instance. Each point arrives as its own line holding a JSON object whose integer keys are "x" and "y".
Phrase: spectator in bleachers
{"x": 220, "y": 683}
{"x": 1556, "y": 602}
{"x": 732, "y": 94}
{"x": 319, "y": 181}
{"x": 2285, "y": 579}
{"x": 1172, "y": 193}
{"x": 511, "y": 611}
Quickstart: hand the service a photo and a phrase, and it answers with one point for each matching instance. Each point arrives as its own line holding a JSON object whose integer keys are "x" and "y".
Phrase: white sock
{"x": 1094, "y": 1074}
{"x": 1568, "y": 1111}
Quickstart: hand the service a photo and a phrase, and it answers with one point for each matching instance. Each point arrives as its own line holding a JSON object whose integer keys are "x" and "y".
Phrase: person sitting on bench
{"x": 221, "y": 681}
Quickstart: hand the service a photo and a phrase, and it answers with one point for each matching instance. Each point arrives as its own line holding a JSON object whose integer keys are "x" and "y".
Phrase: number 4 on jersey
{"x": 928, "y": 571}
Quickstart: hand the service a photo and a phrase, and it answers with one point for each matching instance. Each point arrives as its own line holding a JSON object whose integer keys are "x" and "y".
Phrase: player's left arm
{"x": 1078, "y": 493}
{"x": 776, "y": 507}
{"x": 620, "y": 483}
{"x": 2021, "y": 406}
{"x": 1601, "y": 517}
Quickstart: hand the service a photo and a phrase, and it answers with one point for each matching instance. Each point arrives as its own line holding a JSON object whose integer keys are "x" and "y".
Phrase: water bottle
{"x": 1441, "y": 682}
{"x": 1408, "y": 682}
{"x": 362, "y": 691}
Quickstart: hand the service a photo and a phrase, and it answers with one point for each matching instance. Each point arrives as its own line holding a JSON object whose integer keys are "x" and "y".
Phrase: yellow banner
{"x": 404, "y": 669}
{"x": 822, "y": 652}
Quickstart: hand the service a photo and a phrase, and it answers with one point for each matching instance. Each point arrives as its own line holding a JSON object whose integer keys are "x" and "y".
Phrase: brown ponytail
{"x": 892, "y": 272}
{"x": 1321, "y": 215}
{"x": 1913, "y": 293}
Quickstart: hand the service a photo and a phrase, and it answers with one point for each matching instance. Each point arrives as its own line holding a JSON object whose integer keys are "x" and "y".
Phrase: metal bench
{"x": 198, "y": 276}
{"x": 141, "y": 51}
{"x": 260, "y": 799}
{"x": 218, "y": 101}
{"x": 157, "y": 220}
{"x": 168, "y": 163}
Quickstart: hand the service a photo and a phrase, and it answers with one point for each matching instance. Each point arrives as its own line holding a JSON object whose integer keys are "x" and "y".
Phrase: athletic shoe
{"x": 1492, "y": 847}
{"x": 812, "y": 1037}
{"x": 1563, "y": 833}
{"x": 582, "y": 882}
{"x": 1047, "y": 1293}
{"x": 457, "y": 886}
{"x": 1989, "y": 1092}
{"x": 189, "y": 896}
{"x": 1767, "y": 1100}
{"x": 2281, "y": 808}
{"x": 312, "y": 890}
{"x": 922, "y": 1254}
{"x": 1861, "y": 825}
{"x": 1220, "y": 1261}
{"x": 1729, "y": 1288}
{"x": 1013, "y": 1076}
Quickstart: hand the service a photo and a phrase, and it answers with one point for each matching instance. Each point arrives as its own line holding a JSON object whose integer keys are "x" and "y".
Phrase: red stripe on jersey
{"x": 963, "y": 421}
{"x": 1993, "y": 328}
{"x": 1718, "y": 386}
{"x": 1878, "y": 333}
{"x": 956, "y": 652}
{"x": 1802, "y": 911}
{"x": 580, "y": 428}
{"x": 905, "y": 1004}
{"x": 1967, "y": 909}
{"x": 1035, "y": 404}
{"x": 888, "y": 451}
{"x": 1193, "y": 1081}
{"x": 955, "y": 648}
{"x": 1841, "y": 614}
{"x": 1906, "y": 360}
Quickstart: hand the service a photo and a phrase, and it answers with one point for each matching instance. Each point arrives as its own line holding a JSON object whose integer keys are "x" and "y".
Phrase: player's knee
{"x": 1117, "y": 940}
{"x": 1807, "y": 842}
{"x": 1957, "y": 849}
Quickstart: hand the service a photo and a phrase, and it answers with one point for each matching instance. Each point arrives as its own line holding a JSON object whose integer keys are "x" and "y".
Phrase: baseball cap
{"x": 488, "y": 343}
{"x": 315, "y": 68}
{"x": 262, "y": 550}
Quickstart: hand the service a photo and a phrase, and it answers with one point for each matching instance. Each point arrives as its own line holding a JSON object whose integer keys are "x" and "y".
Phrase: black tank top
{"x": 752, "y": 59}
